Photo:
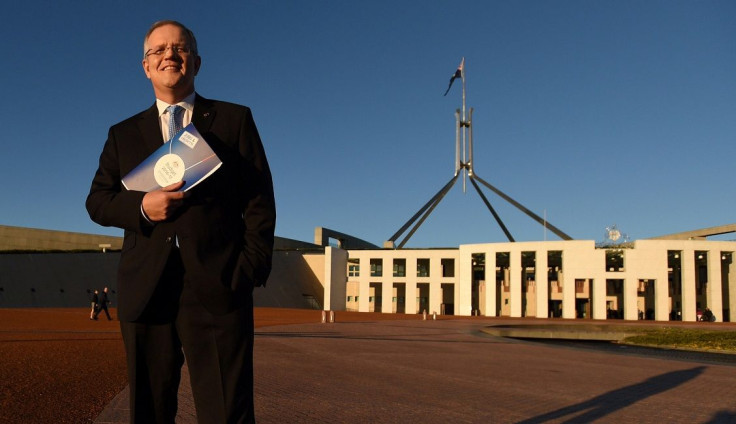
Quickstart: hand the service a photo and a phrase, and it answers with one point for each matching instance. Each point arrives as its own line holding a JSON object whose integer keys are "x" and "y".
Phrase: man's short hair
{"x": 191, "y": 39}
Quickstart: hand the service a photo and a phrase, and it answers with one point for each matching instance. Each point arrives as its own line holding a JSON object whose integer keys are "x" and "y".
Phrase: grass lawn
{"x": 685, "y": 338}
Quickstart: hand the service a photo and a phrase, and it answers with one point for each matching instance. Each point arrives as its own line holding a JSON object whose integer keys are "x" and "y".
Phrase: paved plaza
{"x": 449, "y": 371}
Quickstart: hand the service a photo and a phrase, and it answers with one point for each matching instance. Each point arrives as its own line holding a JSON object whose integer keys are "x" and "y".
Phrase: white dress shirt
{"x": 163, "y": 119}
{"x": 163, "y": 114}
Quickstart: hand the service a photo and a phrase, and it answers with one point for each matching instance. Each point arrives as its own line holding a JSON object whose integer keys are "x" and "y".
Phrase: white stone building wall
{"x": 644, "y": 277}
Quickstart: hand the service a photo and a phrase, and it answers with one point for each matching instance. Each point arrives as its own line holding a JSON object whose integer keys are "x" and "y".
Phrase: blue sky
{"x": 592, "y": 113}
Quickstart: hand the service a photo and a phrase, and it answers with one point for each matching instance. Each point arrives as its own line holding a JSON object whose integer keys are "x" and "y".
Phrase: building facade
{"x": 647, "y": 279}
{"x": 673, "y": 277}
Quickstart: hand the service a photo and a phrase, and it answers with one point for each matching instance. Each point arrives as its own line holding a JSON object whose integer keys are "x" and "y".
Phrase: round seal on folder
{"x": 169, "y": 170}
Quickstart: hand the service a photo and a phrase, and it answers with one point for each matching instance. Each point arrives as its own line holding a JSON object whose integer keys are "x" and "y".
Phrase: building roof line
{"x": 698, "y": 234}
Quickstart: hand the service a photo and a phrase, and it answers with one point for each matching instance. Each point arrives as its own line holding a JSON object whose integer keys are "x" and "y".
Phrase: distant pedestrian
{"x": 708, "y": 316}
{"x": 95, "y": 305}
{"x": 103, "y": 301}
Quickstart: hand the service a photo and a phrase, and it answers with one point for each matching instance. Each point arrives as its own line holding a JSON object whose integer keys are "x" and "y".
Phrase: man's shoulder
{"x": 221, "y": 105}
{"x": 150, "y": 112}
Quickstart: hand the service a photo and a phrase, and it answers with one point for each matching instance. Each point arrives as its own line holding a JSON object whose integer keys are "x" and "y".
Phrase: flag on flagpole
{"x": 458, "y": 74}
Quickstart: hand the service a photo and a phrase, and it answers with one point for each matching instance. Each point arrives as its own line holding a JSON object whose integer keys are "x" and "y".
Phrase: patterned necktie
{"x": 174, "y": 120}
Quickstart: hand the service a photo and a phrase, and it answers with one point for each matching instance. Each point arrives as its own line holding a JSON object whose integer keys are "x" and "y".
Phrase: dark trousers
{"x": 218, "y": 349}
{"x": 102, "y": 307}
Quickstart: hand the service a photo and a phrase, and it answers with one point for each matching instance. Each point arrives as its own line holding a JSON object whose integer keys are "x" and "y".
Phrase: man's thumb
{"x": 173, "y": 187}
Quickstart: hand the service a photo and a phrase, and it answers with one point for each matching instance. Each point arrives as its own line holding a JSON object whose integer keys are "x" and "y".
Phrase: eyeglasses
{"x": 159, "y": 51}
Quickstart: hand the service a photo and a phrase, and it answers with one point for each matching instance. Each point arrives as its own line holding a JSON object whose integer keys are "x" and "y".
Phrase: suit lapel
{"x": 203, "y": 114}
{"x": 151, "y": 129}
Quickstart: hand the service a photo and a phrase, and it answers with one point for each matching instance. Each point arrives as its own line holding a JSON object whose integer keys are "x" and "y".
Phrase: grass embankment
{"x": 685, "y": 338}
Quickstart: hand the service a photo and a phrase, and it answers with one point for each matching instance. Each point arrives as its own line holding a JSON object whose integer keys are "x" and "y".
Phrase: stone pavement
{"x": 448, "y": 371}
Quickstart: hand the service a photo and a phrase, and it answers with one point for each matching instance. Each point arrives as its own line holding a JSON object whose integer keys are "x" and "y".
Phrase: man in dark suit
{"x": 189, "y": 260}
{"x": 103, "y": 301}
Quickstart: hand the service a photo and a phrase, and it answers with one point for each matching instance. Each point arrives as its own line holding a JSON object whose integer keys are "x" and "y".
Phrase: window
{"x": 614, "y": 260}
{"x": 422, "y": 267}
{"x": 479, "y": 266}
{"x": 556, "y": 286}
{"x": 579, "y": 286}
{"x": 399, "y": 267}
{"x": 614, "y": 287}
{"x": 376, "y": 267}
{"x": 448, "y": 267}
{"x": 353, "y": 268}
{"x": 350, "y": 298}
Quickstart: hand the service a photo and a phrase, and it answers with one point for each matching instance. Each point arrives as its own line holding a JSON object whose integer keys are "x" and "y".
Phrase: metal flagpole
{"x": 463, "y": 124}
{"x": 464, "y": 164}
{"x": 458, "y": 164}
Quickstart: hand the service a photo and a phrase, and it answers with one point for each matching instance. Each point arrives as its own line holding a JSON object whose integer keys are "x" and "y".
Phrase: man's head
{"x": 170, "y": 60}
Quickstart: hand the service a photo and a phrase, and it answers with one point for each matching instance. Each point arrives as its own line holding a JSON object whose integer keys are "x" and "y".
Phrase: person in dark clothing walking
{"x": 95, "y": 305}
{"x": 103, "y": 301}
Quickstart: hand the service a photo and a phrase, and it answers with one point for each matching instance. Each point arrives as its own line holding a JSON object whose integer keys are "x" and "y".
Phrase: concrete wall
{"x": 32, "y": 280}
{"x": 19, "y": 238}
{"x": 55, "y": 279}
{"x": 411, "y": 278}
{"x": 294, "y": 282}
{"x": 316, "y": 278}
{"x": 335, "y": 280}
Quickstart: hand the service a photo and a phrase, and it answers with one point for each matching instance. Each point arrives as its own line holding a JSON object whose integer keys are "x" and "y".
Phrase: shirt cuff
{"x": 143, "y": 214}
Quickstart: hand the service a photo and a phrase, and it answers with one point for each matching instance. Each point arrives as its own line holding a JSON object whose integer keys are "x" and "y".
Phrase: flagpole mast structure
{"x": 464, "y": 164}
{"x": 463, "y": 135}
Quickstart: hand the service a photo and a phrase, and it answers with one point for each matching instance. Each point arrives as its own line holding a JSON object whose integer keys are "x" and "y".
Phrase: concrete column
{"x": 631, "y": 310}
{"x": 411, "y": 298}
{"x": 714, "y": 288}
{"x": 515, "y": 288}
{"x": 464, "y": 285}
{"x": 336, "y": 262}
{"x": 662, "y": 297}
{"x": 387, "y": 291}
{"x": 660, "y": 274}
{"x": 568, "y": 297}
{"x": 435, "y": 297}
{"x": 598, "y": 285}
{"x": 411, "y": 287}
{"x": 732, "y": 289}
{"x": 542, "y": 284}
{"x": 490, "y": 286}
{"x": 364, "y": 290}
{"x": 688, "y": 285}
{"x": 328, "y": 283}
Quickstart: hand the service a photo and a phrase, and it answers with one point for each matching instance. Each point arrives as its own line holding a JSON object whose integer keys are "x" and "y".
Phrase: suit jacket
{"x": 225, "y": 228}
{"x": 102, "y": 300}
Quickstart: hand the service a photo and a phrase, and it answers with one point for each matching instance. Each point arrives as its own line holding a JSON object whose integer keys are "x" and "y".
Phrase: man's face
{"x": 170, "y": 64}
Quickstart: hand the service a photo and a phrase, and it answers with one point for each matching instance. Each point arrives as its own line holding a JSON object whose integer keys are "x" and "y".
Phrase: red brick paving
{"x": 365, "y": 370}
{"x": 373, "y": 368}
{"x": 57, "y": 366}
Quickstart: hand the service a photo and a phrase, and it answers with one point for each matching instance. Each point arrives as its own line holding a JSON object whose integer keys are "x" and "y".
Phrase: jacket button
{"x": 168, "y": 239}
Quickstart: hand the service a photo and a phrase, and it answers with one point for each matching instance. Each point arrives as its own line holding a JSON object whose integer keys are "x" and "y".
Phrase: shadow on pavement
{"x": 605, "y": 404}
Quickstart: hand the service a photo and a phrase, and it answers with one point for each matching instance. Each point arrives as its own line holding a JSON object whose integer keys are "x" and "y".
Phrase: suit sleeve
{"x": 260, "y": 211}
{"x": 108, "y": 204}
